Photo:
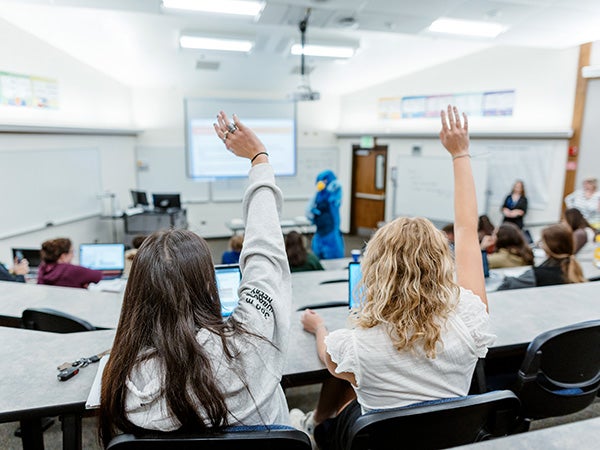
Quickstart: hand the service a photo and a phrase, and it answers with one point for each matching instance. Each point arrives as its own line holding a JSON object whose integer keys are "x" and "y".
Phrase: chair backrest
{"x": 437, "y": 424}
{"x": 273, "y": 437}
{"x": 561, "y": 371}
{"x": 47, "y": 319}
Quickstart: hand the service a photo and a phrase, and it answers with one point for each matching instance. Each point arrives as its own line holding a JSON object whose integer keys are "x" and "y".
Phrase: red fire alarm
{"x": 573, "y": 150}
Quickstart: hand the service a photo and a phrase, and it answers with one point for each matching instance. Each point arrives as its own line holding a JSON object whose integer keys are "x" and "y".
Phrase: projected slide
{"x": 210, "y": 159}
{"x": 273, "y": 121}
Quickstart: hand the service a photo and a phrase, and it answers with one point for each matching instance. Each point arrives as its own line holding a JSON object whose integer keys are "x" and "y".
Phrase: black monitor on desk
{"x": 166, "y": 201}
{"x": 139, "y": 198}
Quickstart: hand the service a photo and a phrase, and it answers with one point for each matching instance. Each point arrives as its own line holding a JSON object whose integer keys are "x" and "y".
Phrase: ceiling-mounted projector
{"x": 304, "y": 94}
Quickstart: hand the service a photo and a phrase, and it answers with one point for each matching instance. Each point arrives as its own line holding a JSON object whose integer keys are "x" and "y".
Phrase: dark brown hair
{"x": 54, "y": 248}
{"x": 295, "y": 248}
{"x": 510, "y": 237}
{"x": 138, "y": 241}
{"x": 558, "y": 244}
{"x": 575, "y": 219}
{"x": 484, "y": 227}
{"x": 171, "y": 294}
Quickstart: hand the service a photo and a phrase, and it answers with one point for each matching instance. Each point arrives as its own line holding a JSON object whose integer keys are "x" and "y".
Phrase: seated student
{"x": 449, "y": 232}
{"x": 17, "y": 273}
{"x": 176, "y": 362}
{"x": 419, "y": 333}
{"x": 300, "y": 259}
{"x": 56, "y": 268}
{"x": 510, "y": 245}
{"x": 136, "y": 243}
{"x": 485, "y": 228}
{"x": 582, "y": 230}
{"x": 561, "y": 267}
{"x": 232, "y": 256}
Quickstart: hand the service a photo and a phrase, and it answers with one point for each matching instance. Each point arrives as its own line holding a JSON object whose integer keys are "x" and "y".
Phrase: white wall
{"x": 589, "y": 146}
{"x": 87, "y": 98}
{"x": 544, "y": 81}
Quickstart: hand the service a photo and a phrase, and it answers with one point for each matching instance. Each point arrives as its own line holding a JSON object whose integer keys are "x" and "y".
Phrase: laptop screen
{"x": 105, "y": 257}
{"x": 228, "y": 282}
{"x": 354, "y": 276}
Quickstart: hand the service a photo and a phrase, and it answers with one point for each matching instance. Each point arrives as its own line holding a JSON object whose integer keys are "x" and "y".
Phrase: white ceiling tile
{"x": 493, "y": 11}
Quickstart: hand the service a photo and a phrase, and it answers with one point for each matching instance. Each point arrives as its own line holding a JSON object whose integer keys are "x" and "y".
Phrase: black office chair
{"x": 47, "y": 319}
{"x": 273, "y": 437}
{"x": 561, "y": 372}
{"x": 437, "y": 424}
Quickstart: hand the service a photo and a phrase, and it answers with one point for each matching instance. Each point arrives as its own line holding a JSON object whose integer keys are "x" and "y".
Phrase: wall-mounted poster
{"x": 28, "y": 91}
{"x": 492, "y": 103}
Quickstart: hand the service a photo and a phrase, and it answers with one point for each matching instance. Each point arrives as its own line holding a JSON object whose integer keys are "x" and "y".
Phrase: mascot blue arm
{"x": 324, "y": 212}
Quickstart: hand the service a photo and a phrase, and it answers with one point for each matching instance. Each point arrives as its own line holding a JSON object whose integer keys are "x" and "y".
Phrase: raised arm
{"x": 265, "y": 289}
{"x": 469, "y": 266}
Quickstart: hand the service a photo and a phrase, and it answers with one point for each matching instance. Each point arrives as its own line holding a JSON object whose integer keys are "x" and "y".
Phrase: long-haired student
{"x": 422, "y": 325}
{"x": 176, "y": 363}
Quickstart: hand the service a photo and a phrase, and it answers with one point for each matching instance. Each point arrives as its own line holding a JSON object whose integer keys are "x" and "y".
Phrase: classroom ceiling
{"x": 136, "y": 41}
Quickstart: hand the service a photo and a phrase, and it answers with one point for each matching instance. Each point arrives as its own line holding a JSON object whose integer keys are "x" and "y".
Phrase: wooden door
{"x": 369, "y": 167}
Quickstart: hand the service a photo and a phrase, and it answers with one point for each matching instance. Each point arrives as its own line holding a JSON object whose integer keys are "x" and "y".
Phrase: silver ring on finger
{"x": 225, "y": 133}
{"x": 232, "y": 128}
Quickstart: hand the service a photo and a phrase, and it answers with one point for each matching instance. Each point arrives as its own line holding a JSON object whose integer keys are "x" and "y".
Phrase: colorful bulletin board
{"x": 492, "y": 103}
{"x": 28, "y": 91}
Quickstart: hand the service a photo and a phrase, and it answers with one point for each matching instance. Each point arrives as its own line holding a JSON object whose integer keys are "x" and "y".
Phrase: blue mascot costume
{"x": 324, "y": 212}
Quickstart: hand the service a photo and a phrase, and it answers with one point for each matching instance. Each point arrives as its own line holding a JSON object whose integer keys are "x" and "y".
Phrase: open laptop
{"x": 228, "y": 281}
{"x": 107, "y": 258}
{"x": 354, "y": 276}
{"x": 32, "y": 255}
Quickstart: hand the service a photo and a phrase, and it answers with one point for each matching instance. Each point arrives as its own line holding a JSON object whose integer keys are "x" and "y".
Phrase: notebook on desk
{"x": 107, "y": 258}
{"x": 228, "y": 282}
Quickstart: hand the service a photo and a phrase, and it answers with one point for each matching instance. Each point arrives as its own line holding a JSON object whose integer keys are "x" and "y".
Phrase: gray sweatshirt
{"x": 265, "y": 308}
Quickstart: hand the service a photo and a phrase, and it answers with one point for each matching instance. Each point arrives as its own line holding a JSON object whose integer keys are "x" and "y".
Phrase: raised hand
{"x": 239, "y": 139}
{"x": 454, "y": 135}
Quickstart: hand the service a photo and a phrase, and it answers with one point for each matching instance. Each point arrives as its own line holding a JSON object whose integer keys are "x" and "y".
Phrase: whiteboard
{"x": 48, "y": 186}
{"x": 162, "y": 169}
{"x": 425, "y": 187}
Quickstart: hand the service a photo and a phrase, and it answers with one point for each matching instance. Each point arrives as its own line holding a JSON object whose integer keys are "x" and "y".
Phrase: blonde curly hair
{"x": 408, "y": 283}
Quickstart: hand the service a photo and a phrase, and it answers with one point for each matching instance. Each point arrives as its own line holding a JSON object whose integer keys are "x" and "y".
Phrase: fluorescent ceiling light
{"x": 211, "y": 43}
{"x": 467, "y": 27}
{"x": 243, "y": 8}
{"x": 329, "y": 51}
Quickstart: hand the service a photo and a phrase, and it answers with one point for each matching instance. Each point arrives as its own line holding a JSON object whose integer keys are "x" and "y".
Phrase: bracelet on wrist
{"x": 257, "y": 155}
{"x": 461, "y": 156}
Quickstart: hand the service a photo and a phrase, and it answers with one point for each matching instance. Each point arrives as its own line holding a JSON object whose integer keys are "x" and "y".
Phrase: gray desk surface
{"x": 30, "y": 387}
{"x": 582, "y": 435}
{"x": 101, "y": 309}
{"x": 29, "y": 380}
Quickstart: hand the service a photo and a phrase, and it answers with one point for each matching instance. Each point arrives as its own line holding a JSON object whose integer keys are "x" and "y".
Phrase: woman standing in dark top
{"x": 300, "y": 259}
{"x": 515, "y": 205}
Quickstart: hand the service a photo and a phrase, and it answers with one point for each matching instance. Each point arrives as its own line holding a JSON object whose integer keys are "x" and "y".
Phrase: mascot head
{"x": 324, "y": 178}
